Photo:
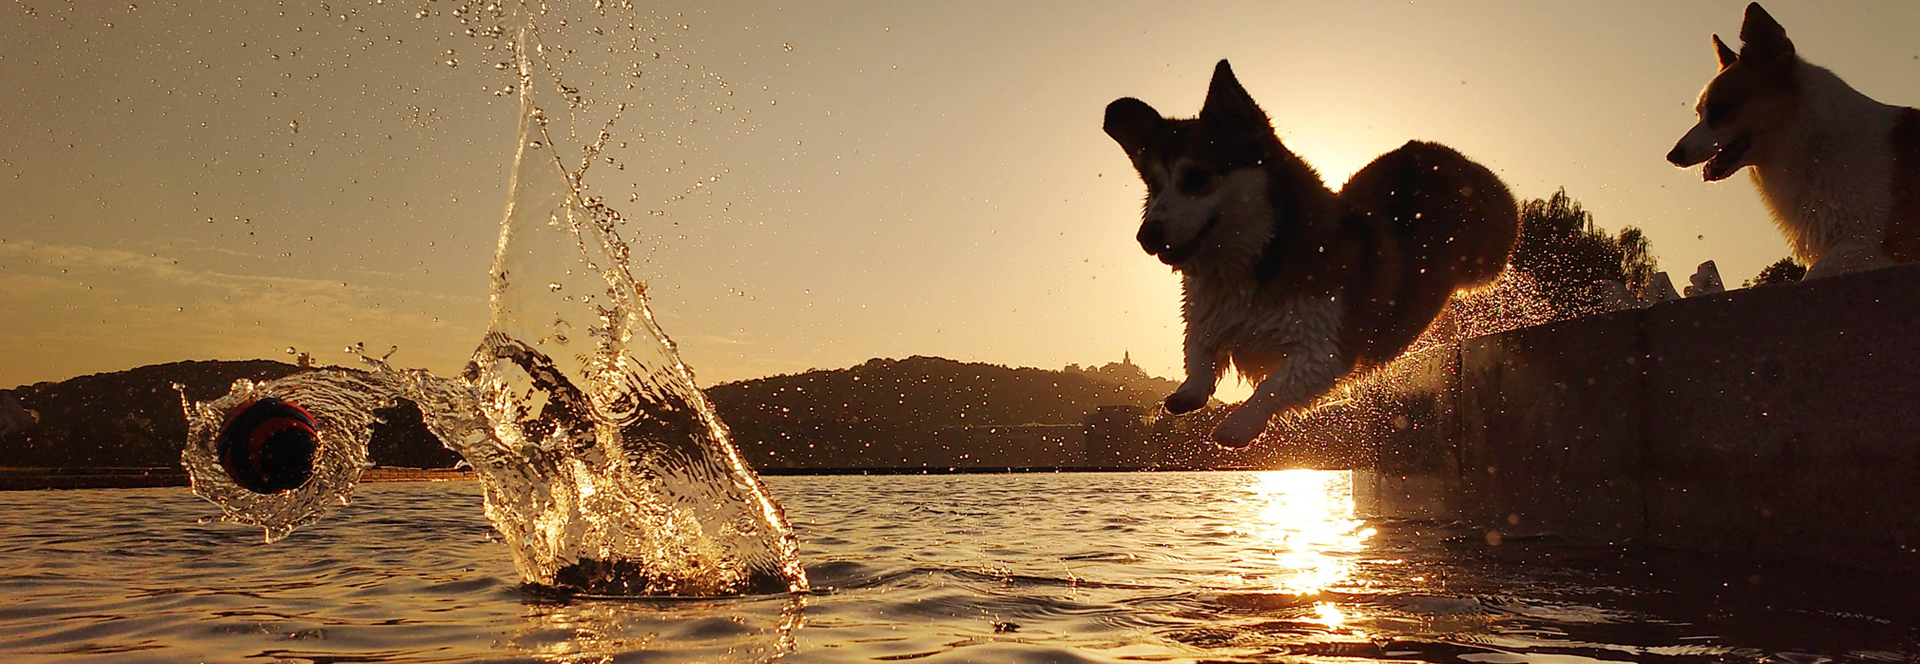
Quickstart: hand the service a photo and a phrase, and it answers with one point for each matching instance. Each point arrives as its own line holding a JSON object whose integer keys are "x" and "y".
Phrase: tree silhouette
{"x": 1637, "y": 264}
{"x": 1571, "y": 260}
{"x": 1783, "y": 271}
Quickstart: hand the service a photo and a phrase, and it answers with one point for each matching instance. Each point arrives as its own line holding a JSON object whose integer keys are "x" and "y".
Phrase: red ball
{"x": 268, "y": 445}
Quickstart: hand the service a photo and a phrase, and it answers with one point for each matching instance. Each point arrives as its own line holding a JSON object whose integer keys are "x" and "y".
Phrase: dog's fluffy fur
{"x": 1839, "y": 171}
{"x": 1294, "y": 285}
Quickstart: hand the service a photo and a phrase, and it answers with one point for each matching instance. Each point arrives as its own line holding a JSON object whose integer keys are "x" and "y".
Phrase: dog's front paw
{"x": 1240, "y": 429}
{"x": 1187, "y": 400}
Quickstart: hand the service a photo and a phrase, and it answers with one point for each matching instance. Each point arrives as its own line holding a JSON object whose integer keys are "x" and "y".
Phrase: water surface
{"x": 1178, "y": 567}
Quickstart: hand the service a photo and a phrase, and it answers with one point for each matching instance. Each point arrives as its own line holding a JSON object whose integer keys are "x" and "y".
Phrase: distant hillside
{"x": 133, "y": 418}
{"x": 886, "y": 413}
{"x": 916, "y": 412}
{"x": 1125, "y": 374}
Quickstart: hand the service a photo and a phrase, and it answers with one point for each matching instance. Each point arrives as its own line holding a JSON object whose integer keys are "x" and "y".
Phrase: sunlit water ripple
{"x": 1232, "y": 567}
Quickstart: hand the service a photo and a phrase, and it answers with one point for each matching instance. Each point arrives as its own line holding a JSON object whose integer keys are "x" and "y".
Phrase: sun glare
{"x": 1306, "y": 517}
{"x": 1333, "y": 154}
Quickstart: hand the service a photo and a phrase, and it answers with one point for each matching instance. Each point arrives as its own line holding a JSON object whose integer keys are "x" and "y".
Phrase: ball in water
{"x": 267, "y": 445}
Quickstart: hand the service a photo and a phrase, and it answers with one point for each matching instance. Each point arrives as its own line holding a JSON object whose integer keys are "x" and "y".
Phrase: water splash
{"x": 342, "y": 404}
{"x": 1513, "y": 301}
{"x": 603, "y": 466}
{"x": 1343, "y": 428}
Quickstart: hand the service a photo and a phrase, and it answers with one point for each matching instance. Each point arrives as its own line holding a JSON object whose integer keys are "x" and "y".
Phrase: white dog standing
{"x": 1839, "y": 171}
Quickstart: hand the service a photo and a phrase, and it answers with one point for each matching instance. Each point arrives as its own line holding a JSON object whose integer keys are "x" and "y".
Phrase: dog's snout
{"x": 1678, "y": 156}
{"x": 1152, "y": 237}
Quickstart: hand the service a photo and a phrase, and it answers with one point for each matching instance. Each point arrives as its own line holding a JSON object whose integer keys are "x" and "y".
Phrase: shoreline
{"x": 47, "y": 479}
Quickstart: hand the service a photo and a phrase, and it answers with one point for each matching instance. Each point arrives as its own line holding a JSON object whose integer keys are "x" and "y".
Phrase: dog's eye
{"x": 1195, "y": 180}
{"x": 1717, "y": 112}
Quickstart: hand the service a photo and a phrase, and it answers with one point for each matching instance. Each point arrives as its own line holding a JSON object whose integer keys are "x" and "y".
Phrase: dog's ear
{"x": 1130, "y": 122}
{"x": 1763, "y": 41}
{"x": 1726, "y": 55}
{"x": 1229, "y": 103}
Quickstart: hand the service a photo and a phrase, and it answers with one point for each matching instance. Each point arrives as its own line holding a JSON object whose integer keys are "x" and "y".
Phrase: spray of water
{"x": 342, "y": 404}
{"x": 1511, "y": 302}
{"x": 1363, "y": 410}
{"x": 603, "y": 466}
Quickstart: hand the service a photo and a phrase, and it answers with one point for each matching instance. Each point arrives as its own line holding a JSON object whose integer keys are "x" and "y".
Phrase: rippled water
{"x": 1183, "y": 567}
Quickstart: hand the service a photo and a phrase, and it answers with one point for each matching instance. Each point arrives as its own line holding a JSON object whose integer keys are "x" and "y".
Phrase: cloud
{"x": 77, "y": 309}
{"x": 724, "y": 341}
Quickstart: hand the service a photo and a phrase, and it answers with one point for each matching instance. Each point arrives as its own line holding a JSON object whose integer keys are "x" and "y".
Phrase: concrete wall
{"x": 1781, "y": 419}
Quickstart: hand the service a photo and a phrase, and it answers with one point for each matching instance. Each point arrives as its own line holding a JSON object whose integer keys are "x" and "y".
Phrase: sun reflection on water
{"x": 1305, "y": 517}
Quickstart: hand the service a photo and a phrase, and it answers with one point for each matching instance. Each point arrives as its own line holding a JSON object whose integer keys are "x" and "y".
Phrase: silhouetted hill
{"x": 916, "y": 412}
{"x": 133, "y": 418}
{"x": 890, "y": 413}
{"x": 1125, "y": 374}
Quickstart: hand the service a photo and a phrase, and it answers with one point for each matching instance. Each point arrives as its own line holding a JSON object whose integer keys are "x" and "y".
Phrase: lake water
{"x": 1175, "y": 567}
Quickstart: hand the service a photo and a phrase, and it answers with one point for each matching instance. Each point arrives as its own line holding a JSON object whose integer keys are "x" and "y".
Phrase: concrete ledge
{"x": 1788, "y": 419}
{"x": 1415, "y": 460}
{"x": 1550, "y": 417}
{"x": 1780, "y": 419}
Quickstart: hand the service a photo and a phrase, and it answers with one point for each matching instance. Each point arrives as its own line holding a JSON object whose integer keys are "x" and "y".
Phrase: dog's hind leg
{"x": 1308, "y": 371}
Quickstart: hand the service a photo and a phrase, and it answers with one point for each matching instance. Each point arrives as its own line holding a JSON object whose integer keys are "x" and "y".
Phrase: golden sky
{"x": 810, "y": 184}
